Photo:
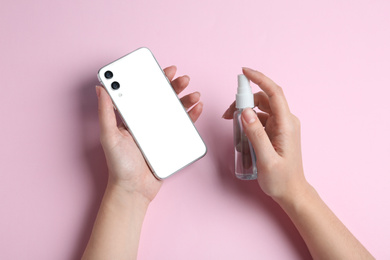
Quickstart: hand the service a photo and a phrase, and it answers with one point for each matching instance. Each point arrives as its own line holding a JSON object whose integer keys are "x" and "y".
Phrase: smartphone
{"x": 152, "y": 112}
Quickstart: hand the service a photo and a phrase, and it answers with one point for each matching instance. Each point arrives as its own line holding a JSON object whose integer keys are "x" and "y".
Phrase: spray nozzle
{"x": 244, "y": 96}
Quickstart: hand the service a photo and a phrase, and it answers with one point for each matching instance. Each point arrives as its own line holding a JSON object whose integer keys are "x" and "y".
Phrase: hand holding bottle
{"x": 275, "y": 135}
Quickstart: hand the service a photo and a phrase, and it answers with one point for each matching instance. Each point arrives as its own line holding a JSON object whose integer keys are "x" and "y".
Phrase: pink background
{"x": 331, "y": 57}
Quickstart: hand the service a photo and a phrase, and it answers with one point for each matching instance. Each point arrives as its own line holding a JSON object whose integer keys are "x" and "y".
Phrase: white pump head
{"x": 244, "y": 96}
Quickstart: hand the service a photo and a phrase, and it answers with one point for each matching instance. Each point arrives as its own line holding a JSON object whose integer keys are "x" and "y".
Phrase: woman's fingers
{"x": 277, "y": 101}
{"x": 230, "y": 111}
{"x": 261, "y": 101}
{"x": 190, "y": 100}
{"x": 265, "y": 152}
{"x": 180, "y": 83}
{"x": 170, "y": 72}
{"x": 195, "y": 112}
{"x": 263, "y": 117}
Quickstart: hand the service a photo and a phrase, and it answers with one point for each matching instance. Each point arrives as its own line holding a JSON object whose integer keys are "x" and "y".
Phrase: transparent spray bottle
{"x": 245, "y": 158}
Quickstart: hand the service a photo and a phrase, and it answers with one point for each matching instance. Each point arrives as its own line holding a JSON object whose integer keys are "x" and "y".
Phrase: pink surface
{"x": 331, "y": 57}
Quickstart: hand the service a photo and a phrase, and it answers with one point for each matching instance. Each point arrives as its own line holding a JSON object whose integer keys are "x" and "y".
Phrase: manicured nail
{"x": 97, "y": 88}
{"x": 249, "y": 115}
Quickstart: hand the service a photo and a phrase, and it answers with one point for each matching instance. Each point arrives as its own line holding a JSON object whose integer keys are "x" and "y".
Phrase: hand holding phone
{"x": 126, "y": 164}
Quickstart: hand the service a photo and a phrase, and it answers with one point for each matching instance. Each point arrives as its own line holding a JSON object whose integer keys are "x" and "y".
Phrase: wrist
{"x": 126, "y": 197}
{"x": 293, "y": 199}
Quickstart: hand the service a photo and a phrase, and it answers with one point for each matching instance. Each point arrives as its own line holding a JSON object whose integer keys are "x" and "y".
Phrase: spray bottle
{"x": 245, "y": 158}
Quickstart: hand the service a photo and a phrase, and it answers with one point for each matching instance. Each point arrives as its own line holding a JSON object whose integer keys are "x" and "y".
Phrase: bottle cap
{"x": 244, "y": 96}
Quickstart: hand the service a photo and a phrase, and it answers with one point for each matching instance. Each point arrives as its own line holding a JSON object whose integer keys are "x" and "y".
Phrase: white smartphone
{"x": 152, "y": 112}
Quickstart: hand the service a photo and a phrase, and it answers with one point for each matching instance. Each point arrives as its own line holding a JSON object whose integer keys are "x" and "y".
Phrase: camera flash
{"x": 120, "y": 94}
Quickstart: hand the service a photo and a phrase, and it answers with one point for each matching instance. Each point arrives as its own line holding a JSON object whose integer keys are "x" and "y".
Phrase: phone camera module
{"x": 115, "y": 85}
{"x": 108, "y": 74}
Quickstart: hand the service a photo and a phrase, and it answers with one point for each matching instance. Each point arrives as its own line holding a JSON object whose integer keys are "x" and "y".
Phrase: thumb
{"x": 107, "y": 119}
{"x": 257, "y": 136}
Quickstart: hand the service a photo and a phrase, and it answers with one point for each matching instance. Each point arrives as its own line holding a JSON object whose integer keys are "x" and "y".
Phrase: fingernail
{"x": 249, "y": 115}
{"x": 247, "y": 69}
{"x": 97, "y": 88}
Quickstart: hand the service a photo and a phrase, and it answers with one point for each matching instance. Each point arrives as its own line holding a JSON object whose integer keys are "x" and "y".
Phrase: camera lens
{"x": 108, "y": 74}
{"x": 115, "y": 85}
